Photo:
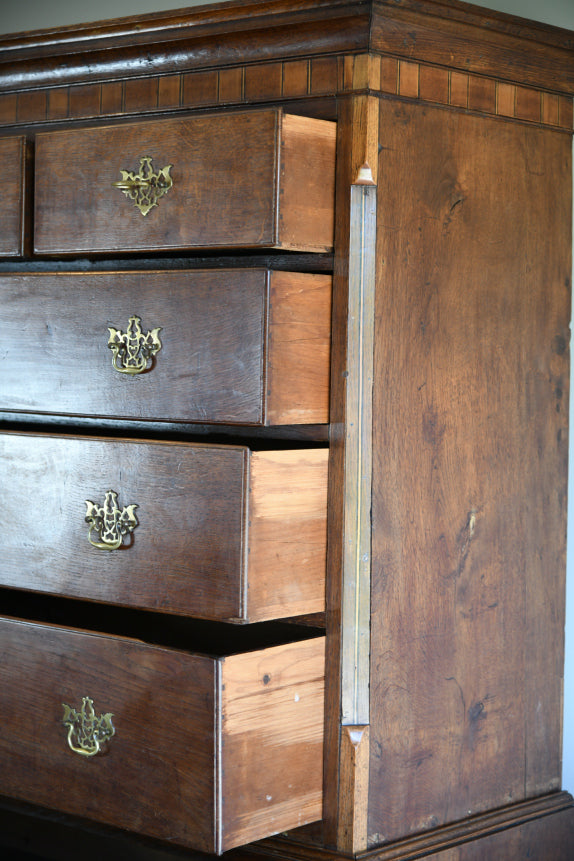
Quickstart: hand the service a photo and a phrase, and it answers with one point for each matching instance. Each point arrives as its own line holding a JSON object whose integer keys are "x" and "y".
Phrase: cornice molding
{"x": 218, "y": 35}
{"x": 450, "y": 33}
{"x": 324, "y": 78}
{"x": 476, "y": 40}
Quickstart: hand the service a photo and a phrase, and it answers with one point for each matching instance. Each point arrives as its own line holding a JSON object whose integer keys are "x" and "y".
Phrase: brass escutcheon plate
{"x": 87, "y": 731}
{"x": 110, "y": 522}
{"x": 146, "y": 187}
{"x": 133, "y": 351}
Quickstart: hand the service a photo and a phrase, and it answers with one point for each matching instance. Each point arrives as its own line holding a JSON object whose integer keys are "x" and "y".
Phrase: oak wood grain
{"x": 540, "y": 828}
{"x": 470, "y": 467}
{"x": 468, "y": 513}
{"x": 163, "y": 707}
{"x": 480, "y": 41}
{"x": 354, "y": 789}
{"x": 476, "y": 40}
{"x": 198, "y": 38}
{"x": 12, "y": 211}
{"x": 235, "y": 177}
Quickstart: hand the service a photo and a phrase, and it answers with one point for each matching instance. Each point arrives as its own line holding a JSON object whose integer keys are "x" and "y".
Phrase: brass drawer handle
{"x": 110, "y": 521}
{"x": 146, "y": 187}
{"x": 87, "y": 732}
{"x": 133, "y": 350}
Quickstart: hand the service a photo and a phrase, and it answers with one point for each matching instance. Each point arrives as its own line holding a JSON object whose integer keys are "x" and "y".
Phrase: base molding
{"x": 541, "y": 829}
{"x": 538, "y": 830}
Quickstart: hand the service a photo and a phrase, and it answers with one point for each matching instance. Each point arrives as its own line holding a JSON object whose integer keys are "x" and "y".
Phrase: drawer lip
{"x": 223, "y": 702}
{"x": 243, "y": 347}
{"x": 245, "y": 220}
{"x": 217, "y": 535}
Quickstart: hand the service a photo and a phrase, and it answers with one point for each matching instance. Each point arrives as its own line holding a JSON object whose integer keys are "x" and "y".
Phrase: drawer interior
{"x": 216, "y": 639}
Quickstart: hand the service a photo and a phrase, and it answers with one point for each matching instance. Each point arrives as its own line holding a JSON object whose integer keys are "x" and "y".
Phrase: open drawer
{"x": 245, "y": 179}
{"x": 212, "y": 531}
{"x": 206, "y": 752}
{"x": 237, "y": 346}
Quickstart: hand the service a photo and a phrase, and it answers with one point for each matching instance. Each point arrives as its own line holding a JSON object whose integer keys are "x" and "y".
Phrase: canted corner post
{"x": 354, "y": 431}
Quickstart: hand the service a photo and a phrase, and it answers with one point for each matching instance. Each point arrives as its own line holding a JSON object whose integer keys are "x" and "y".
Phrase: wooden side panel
{"x": 298, "y": 348}
{"x": 155, "y": 775}
{"x": 287, "y": 534}
{"x": 272, "y": 730}
{"x": 13, "y": 161}
{"x": 469, "y": 480}
{"x": 307, "y": 183}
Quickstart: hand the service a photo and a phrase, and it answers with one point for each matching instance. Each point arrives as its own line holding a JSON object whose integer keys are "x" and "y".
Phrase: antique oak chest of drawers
{"x": 284, "y": 340}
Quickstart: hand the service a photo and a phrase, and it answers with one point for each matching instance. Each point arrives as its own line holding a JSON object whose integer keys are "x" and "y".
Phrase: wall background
{"x": 17, "y": 15}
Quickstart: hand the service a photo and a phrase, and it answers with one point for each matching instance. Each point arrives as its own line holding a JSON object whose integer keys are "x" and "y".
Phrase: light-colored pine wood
{"x": 307, "y": 182}
{"x": 298, "y": 348}
{"x": 287, "y": 533}
{"x": 272, "y": 731}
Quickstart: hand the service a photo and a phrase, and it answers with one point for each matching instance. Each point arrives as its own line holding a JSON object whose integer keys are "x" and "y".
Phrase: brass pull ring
{"x": 87, "y": 731}
{"x": 146, "y": 187}
{"x": 133, "y": 351}
{"x": 110, "y": 521}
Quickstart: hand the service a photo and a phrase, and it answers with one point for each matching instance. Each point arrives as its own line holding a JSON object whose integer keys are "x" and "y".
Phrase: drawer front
{"x": 13, "y": 161}
{"x": 216, "y": 532}
{"x": 258, "y": 179}
{"x": 207, "y": 753}
{"x": 231, "y": 346}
